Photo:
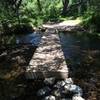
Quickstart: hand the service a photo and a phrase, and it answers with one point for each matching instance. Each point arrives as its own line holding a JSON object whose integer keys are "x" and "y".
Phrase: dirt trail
{"x": 63, "y": 24}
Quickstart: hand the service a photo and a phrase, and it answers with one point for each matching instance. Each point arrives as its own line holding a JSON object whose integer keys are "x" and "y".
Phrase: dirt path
{"x": 63, "y": 25}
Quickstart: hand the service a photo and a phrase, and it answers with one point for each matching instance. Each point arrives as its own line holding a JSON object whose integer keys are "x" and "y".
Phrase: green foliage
{"x": 30, "y": 13}
{"x": 7, "y": 40}
{"x": 35, "y": 12}
{"x": 91, "y": 18}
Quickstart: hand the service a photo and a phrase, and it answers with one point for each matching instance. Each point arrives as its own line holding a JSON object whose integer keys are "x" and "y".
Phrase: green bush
{"x": 95, "y": 20}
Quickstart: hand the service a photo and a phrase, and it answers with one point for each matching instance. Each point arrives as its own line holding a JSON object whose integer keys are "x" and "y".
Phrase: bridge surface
{"x": 48, "y": 60}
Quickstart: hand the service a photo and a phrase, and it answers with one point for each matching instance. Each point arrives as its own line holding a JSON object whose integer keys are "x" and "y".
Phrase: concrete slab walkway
{"x": 48, "y": 60}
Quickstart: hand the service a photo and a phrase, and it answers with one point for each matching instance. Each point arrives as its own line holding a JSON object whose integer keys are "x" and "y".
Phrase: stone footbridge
{"x": 48, "y": 60}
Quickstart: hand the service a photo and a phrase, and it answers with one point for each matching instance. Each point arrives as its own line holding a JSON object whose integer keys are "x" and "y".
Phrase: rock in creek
{"x": 74, "y": 88}
{"x": 68, "y": 81}
{"x": 44, "y": 91}
{"x": 59, "y": 84}
{"x": 62, "y": 90}
{"x": 77, "y": 98}
{"x": 49, "y": 81}
{"x": 57, "y": 93}
{"x": 51, "y": 97}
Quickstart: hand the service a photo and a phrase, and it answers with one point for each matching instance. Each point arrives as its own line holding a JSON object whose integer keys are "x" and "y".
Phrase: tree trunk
{"x": 17, "y": 10}
{"x": 80, "y": 7}
{"x": 65, "y": 6}
{"x": 39, "y": 5}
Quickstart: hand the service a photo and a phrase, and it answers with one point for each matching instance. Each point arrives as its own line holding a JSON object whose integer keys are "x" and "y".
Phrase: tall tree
{"x": 65, "y": 6}
{"x": 39, "y": 5}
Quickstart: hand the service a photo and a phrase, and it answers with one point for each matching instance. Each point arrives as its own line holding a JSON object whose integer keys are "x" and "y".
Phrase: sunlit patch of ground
{"x": 71, "y": 22}
{"x": 64, "y": 23}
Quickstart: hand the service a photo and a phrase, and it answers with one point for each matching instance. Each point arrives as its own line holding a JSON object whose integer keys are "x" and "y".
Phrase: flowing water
{"x": 76, "y": 45}
{"x": 32, "y": 38}
{"x": 82, "y": 53}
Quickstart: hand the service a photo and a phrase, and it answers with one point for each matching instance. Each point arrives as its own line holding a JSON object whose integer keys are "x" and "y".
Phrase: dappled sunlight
{"x": 48, "y": 57}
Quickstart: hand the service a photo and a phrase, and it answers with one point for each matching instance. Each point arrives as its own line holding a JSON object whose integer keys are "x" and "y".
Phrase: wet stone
{"x": 44, "y": 91}
{"x": 77, "y": 98}
{"x": 66, "y": 88}
{"x": 57, "y": 93}
{"x": 59, "y": 84}
{"x": 74, "y": 88}
{"x": 68, "y": 81}
{"x": 63, "y": 83}
{"x": 49, "y": 81}
{"x": 51, "y": 97}
{"x": 62, "y": 90}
